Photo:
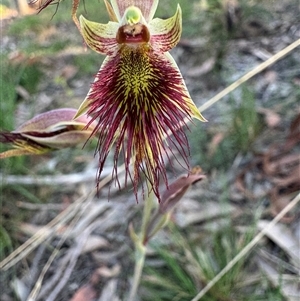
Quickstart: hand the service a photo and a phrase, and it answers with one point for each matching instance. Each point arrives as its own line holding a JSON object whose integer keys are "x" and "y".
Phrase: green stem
{"x": 140, "y": 254}
{"x": 148, "y": 206}
{"x": 140, "y": 247}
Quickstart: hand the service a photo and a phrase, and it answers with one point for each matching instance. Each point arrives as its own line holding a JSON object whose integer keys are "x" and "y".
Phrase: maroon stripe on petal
{"x": 137, "y": 97}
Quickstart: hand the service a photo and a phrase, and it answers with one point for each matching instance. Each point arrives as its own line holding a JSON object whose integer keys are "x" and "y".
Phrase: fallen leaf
{"x": 68, "y": 72}
{"x": 278, "y": 203}
{"x": 281, "y": 235}
{"x": 109, "y": 291}
{"x": 271, "y": 76}
{"x": 85, "y": 293}
{"x": 277, "y": 171}
{"x": 214, "y": 143}
{"x": 272, "y": 119}
{"x": 206, "y": 67}
{"x": 93, "y": 243}
{"x": 107, "y": 272}
{"x": 295, "y": 125}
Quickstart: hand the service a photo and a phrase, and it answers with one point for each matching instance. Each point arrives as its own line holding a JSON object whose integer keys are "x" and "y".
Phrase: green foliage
{"x": 5, "y": 241}
{"x": 30, "y": 77}
{"x": 269, "y": 294}
{"x": 239, "y": 128}
{"x": 245, "y": 122}
{"x": 173, "y": 281}
{"x": 10, "y": 77}
{"x": 24, "y": 74}
{"x": 199, "y": 139}
{"x": 88, "y": 63}
{"x": 95, "y": 10}
{"x": 8, "y": 80}
{"x": 25, "y": 26}
{"x": 13, "y": 75}
{"x": 11, "y": 215}
{"x": 190, "y": 267}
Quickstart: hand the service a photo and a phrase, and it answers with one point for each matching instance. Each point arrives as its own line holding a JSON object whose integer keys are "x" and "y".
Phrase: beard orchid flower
{"x": 139, "y": 96}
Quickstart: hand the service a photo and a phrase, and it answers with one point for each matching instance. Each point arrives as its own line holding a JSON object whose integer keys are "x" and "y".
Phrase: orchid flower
{"x": 46, "y": 132}
{"x": 139, "y": 95}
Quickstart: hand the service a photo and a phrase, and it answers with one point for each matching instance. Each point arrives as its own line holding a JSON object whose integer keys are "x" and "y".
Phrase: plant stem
{"x": 140, "y": 255}
{"x": 141, "y": 248}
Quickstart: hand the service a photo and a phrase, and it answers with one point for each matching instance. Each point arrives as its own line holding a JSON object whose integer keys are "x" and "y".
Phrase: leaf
{"x": 109, "y": 291}
{"x": 177, "y": 189}
{"x": 107, "y": 272}
{"x": 281, "y": 235}
{"x": 85, "y": 293}
{"x": 215, "y": 142}
{"x": 169, "y": 199}
{"x": 279, "y": 167}
{"x": 272, "y": 119}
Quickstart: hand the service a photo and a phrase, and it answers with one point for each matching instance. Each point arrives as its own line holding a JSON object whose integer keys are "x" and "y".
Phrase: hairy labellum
{"x": 139, "y": 96}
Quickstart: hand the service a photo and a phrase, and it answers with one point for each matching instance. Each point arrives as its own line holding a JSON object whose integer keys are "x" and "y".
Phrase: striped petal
{"x": 52, "y": 120}
{"x": 147, "y": 7}
{"x": 165, "y": 34}
{"x": 100, "y": 37}
{"x": 139, "y": 97}
{"x": 46, "y": 132}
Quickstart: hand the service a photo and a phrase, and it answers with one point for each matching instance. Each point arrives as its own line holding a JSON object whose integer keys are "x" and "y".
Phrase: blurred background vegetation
{"x": 45, "y": 65}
